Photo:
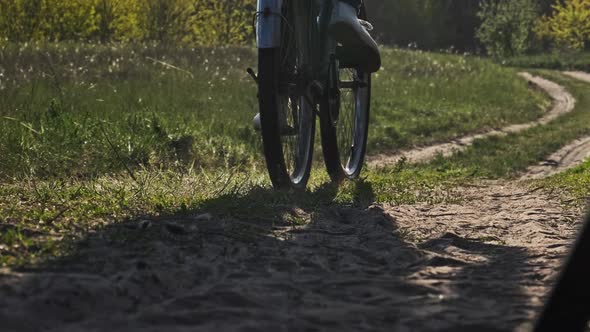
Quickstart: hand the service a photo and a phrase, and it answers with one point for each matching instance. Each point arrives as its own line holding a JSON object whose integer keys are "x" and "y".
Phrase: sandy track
{"x": 579, "y": 75}
{"x": 568, "y": 156}
{"x": 482, "y": 265}
{"x": 563, "y": 102}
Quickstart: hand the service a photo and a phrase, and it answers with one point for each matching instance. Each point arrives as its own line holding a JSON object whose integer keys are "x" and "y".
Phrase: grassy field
{"x": 556, "y": 61}
{"x": 82, "y": 111}
{"x": 92, "y": 135}
{"x": 427, "y": 97}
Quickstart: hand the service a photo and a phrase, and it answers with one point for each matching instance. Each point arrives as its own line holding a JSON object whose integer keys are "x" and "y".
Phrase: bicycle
{"x": 303, "y": 73}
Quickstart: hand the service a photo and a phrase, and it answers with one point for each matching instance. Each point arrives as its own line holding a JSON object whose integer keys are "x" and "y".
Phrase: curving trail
{"x": 563, "y": 102}
{"x": 568, "y": 156}
{"x": 580, "y": 75}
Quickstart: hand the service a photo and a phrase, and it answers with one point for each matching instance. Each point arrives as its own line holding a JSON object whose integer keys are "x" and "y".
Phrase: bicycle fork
{"x": 269, "y": 19}
{"x": 268, "y": 23}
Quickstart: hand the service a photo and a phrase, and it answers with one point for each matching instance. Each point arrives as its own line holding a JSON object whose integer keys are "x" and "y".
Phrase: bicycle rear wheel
{"x": 287, "y": 114}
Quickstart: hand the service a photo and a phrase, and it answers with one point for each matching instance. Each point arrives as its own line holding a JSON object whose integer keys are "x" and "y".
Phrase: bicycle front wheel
{"x": 287, "y": 114}
{"x": 345, "y": 131}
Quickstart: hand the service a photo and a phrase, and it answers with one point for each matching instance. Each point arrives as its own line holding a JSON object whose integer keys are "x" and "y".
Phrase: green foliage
{"x": 24, "y": 20}
{"x": 218, "y": 23}
{"x": 506, "y": 28}
{"x": 193, "y": 22}
{"x": 557, "y": 61}
{"x": 85, "y": 110}
{"x": 569, "y": 25}
{"x": 429, "y": 97}
{"x": 427, "y": 24}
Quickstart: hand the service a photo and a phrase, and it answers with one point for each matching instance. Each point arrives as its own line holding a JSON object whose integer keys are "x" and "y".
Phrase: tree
{"x": 192, "y": 22}
{"x": 68, "y": 20}
{"x": 430, "y": 24}
{"x": 20, "y": 19}
{"x": 24, "y": 20}
{"x": 220, "y": 22}
{"x": 569, "y": 26}
{"x": 507, "y": 25}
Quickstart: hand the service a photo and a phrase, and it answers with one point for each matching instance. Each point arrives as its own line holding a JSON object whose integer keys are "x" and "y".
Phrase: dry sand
{"x": 483, "y": 265}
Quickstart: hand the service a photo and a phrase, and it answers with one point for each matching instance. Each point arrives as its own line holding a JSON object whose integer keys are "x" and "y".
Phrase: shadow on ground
{"x": 258, "y": 265}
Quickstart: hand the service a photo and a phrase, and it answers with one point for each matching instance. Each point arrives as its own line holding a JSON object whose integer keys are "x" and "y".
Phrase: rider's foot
{"x": 284, "y": 128}
{"x": 349, "y": 31}
{"x": 256, "y": 122}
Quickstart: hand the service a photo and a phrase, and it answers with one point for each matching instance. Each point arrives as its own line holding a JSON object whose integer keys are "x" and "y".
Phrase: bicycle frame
{"x": 268, "y": 23}
{"x": 299, "y": 67}
{"x": 268, "y": 28}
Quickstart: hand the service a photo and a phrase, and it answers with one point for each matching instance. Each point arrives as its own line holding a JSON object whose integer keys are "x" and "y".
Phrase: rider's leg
{"x": 353, "y": 36}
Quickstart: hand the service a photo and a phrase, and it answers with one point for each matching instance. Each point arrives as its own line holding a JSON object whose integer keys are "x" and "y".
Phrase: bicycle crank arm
{"x": 252, "y": 74}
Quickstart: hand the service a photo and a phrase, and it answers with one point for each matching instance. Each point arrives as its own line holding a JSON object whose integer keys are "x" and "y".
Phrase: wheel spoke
{"x": 352, "y": 119}
{"x": 296, "y": 127}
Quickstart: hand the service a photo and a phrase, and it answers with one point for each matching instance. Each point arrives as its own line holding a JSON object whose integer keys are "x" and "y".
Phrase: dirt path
{"x": 479, "y": 265}
{"x": 568, "y": 156}
{"x": 483, "y": 264}
{"x": 563, "y": 102}
{"x": 579, "y": 75}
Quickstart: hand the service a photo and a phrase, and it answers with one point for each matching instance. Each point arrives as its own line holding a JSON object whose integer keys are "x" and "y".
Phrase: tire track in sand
{"x": 563, "y": 102}
{"x": 568, "y": 156}
{"x": 580, "y": 75}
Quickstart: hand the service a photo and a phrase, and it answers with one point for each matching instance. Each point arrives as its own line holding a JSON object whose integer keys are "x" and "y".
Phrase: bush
{"x": 194, "y": 22}
{"x": 24, "y": 20}
{"x": 507, "y": 26}
{"x": 428, "y": 24}
{"x": 221, "y": 22}
{"x": 569, "y": 25}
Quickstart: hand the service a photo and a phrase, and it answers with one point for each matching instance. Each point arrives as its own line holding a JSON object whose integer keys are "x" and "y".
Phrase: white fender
{"x": 268, "y": 23}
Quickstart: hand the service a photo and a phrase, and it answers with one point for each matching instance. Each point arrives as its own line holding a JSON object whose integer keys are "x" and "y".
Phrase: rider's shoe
{"x": 284, "y": 128}
{"x": 256, "y": 122}
{"x": 352, "y": 34}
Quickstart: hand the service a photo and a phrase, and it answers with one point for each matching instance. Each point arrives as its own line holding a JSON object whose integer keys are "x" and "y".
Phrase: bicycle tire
{"x": 288, "y": 155}
{"x": 344, "y": 154}
{"x": 344, "y": 141}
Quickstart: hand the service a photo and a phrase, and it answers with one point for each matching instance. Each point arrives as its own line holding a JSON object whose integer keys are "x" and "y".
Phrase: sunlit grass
{"x": 556, "y": 61}
{"x": 85, "y": 110}
{"x": 422, "y": 98}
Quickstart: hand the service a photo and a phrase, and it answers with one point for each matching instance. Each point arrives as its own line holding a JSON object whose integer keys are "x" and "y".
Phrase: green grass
{"x": 497, "y": 157}
{"x": 556, "y": 61}
{"x": 86, "y": 110}
{"x": 46, "y": 218}
{"x": 422, "y": 98}
{"x": 573, "y": 185}
{"x": 506, "y": 157}
{"x": 78, "y": 110}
